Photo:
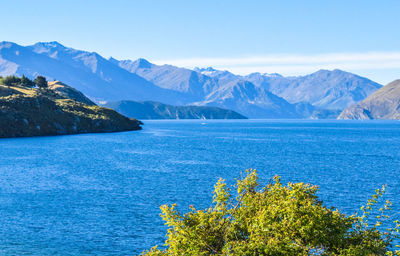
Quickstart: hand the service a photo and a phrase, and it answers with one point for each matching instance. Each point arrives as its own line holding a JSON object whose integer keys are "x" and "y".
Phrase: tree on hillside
{"x": 11, "y": 81}
{"x": 41, "y": 82}
{"x": 274, "y": 220}
{"x": 26, "y": 82}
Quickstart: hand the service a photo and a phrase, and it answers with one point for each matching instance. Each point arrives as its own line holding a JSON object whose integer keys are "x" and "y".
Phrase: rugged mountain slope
{"x": 156, "y": 110}
{"x": 194, "y": 85}
{"x": 223, "y": 76}
{"x": 244, "y": 97}
{"x": 257, "y": 101}
{"x": 96, "y": 77}
{"x": 382, "y": 104}
{"x": 324, "y": 89}
{"x": 223, "y": 90}
{"x": 36, "y": 112}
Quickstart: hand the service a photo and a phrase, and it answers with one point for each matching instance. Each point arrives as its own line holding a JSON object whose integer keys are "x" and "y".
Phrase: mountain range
{"x": 321, "y": 94}
{"x": 382, "y": 104}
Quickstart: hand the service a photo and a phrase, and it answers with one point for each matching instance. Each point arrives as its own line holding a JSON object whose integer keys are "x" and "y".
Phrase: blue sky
{"x": 288, "y": 37}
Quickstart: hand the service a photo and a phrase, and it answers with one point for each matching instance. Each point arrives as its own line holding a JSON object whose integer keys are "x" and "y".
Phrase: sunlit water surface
{"x": 99, "y": 194}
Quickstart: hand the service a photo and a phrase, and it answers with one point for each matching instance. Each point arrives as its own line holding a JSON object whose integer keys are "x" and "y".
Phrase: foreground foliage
{"x": 274, "y": 220}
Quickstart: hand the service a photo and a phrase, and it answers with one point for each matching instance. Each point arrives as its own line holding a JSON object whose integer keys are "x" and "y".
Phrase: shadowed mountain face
{"x": 156, "y": 110}
{"x": 256, "y": 95}
{"x": 382, "y": 104}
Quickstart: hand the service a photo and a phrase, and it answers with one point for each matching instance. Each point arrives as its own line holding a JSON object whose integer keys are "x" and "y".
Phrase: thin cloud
{"x": 295, "y": 64}
{"x": 303, "y": 69}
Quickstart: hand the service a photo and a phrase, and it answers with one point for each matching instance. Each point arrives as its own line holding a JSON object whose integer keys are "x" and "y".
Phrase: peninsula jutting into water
{"x": 53, "y": 109}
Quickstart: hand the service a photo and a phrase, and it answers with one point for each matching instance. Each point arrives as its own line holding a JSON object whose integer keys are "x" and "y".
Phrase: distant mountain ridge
{"x": 194, "y": 85}
{"x": 202, "y": 90}
{"x": 255, "y": 95}
{"x": 325, "y": 89}
{"x": 156, "y": 110}
{"x": 382, "y": 104}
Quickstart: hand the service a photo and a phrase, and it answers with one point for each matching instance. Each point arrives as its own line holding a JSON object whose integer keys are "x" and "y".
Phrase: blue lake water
{"x": 99, "y": 194}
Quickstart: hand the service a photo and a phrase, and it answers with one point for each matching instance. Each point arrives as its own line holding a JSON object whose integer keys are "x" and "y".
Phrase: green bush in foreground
{"x": 274, "y": 220}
